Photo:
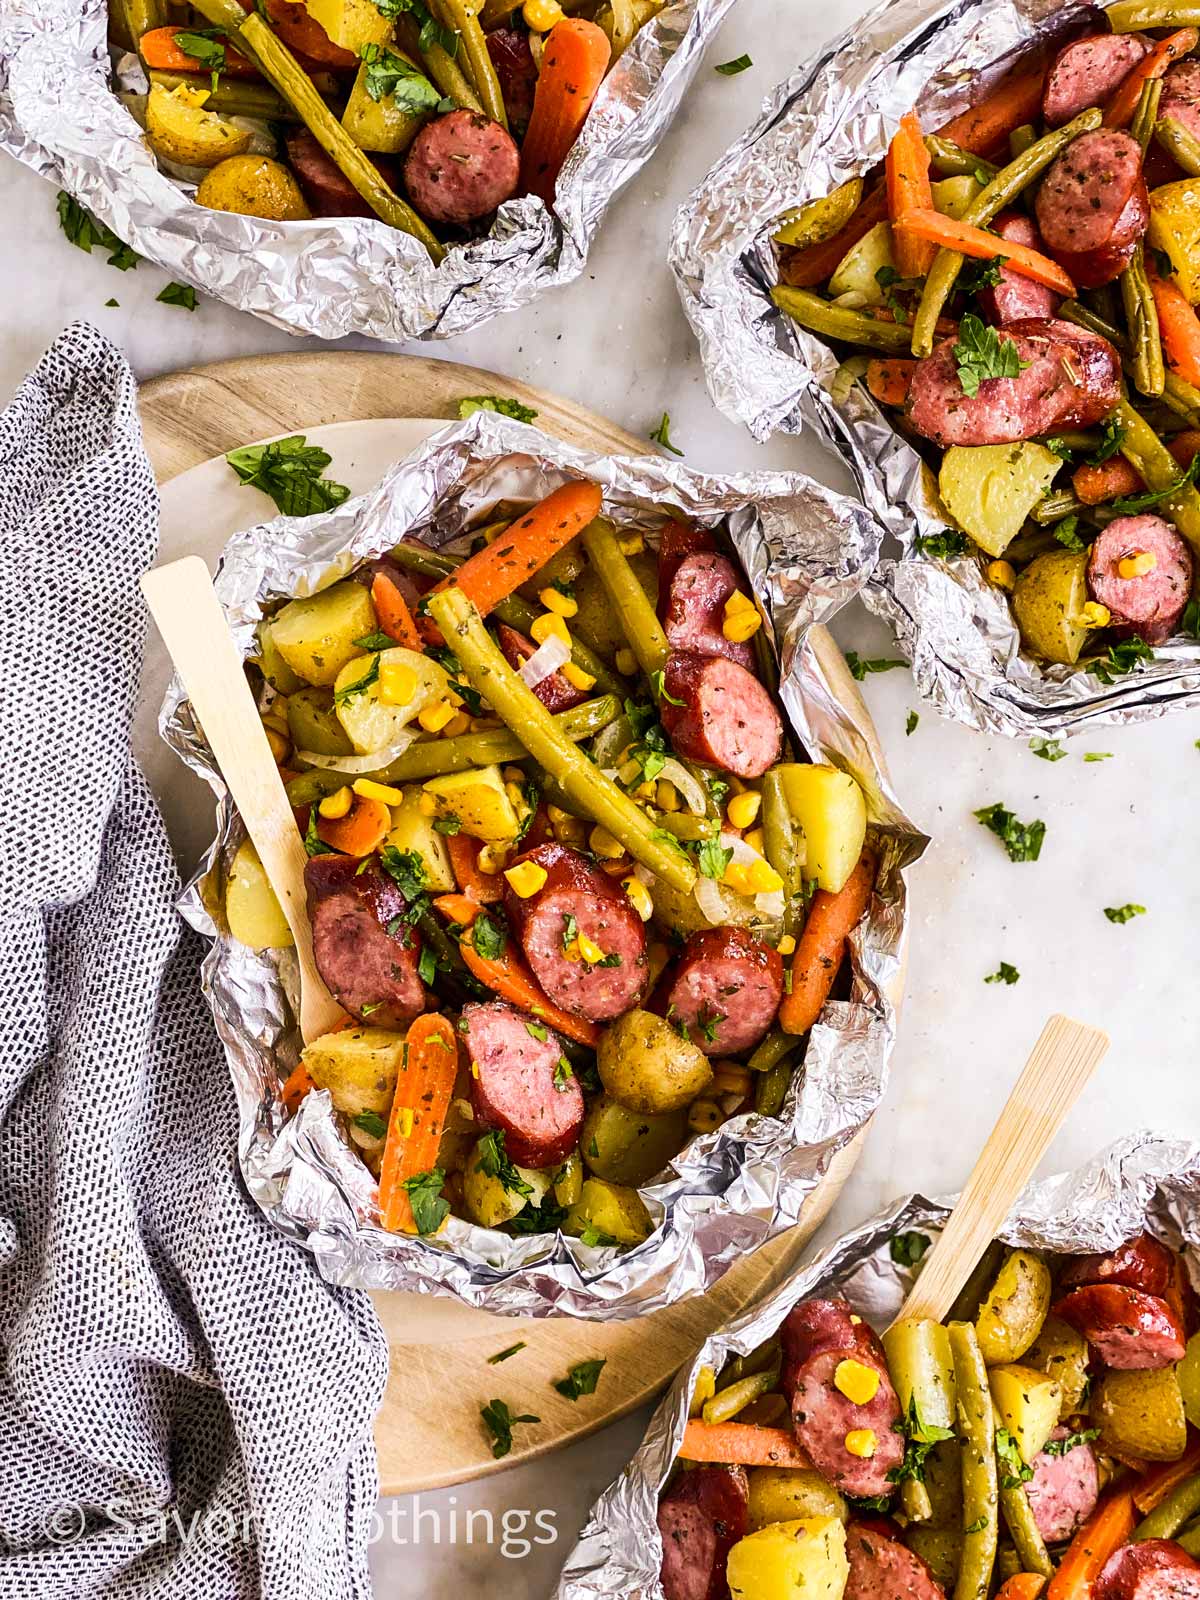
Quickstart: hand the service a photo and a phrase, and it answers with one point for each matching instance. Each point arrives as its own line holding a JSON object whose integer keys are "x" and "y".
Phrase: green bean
{"x": 1018, "y": 1516}
{"x": 453, "y": 978}
{"x": 1055, "y": 507}
{"x": 1083, "y": 317}
{"x": 1183, "y": 399}
{"x": 922, "y": 1371}
{"x": 234, "y": 97}
{"x": 1180, "y": 1506}
{"x": 763, "y": 1356}
{"x": 133, "y": 18}
{"x": 839, "y": 322}
{"x": 726, "y": 1405}
{"x": 279, "y": 65}
{"x": 459, "y": 16}
{"x": 1008, "y": 1562}
{"x": 1146, "y": 115}
{"x": 771, "y": 1089}
{"x": 1131, "y": 16}
{"x": 629, "y": 600}
{"x": 1180, "y": 143}
{"x": 450, "y": 78}
{"x": 1158, "y": 469}
{"x": 782, "y": 847}
{"x": 980, "y": 1479}
{"x": 1000, "y": 192}
{"x": 950, "y": 160}
{"x": 1075, "y": 439}
{"x": 1021, "y": 139}
{"x": 688, "y": 827}
{"x": 1190, "y": 1539}
{"x": 1141, "y": 316}
{"x": 772, "y": 1050}
{"x": 970, "y": 1296}
{"x": 520, "y": 709}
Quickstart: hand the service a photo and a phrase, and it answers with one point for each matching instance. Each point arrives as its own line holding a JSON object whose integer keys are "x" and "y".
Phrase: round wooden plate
{"x": 367, "y": 410}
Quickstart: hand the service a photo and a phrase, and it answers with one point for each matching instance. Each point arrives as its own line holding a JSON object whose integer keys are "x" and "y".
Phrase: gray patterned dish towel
{"x": 185, "y": 1406}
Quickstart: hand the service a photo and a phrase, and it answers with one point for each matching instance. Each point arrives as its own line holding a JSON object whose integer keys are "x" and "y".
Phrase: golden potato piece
{"x": 487, "y": 1200}
{"x": 989, "y": 489}
{"x": 1175, "y": 230}
{"x": 315, "y": 635}
{"x": 253, "y": 186}
{"x": 856, "y": 272}
{"x": 788, "y": 1560}
{"x": 179, "y": 128}
{"x": 1048, "y": 604}
{"x": 787, "y": 1494}
{"x": 1062, "y": 1353}
{"x": 1140, "y": 1413}
{"x": 629, "y": 1147}
{"x": 831, "y": 811}
{"x": 478, "y": 799}
{"x": 358, "y": 1066}
{"x": 254, "y": 914}
{"x": 645, "y": 1065}
{"x": 1028, "y": 1402}
{"x": 609, "y": 1213}
{"x": 1011, "y": 1317}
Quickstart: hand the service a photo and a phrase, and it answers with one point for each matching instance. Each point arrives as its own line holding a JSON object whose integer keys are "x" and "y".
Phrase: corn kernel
{"x": 861, "y": 1442}
{"x": 494, "y": 858}
{"x": 556, "y": 815}
{"x": 626, "y": 663}
{"x": 1096, "y": 615}
{"x": 666, "y": 795}
{"x": 406, "y": 1120}
{"x": 763, "y": 878}
{"x": 474, "y": 1069}
{"x": 628, "y": 772}
{"x": 571, "y": 951}
{"x": 368, "y": 789}
{"x": 429, "y": 805}
{"x": 525, "y": 878}
{"x": 1000, "y": 574}
{"x": 512, "y": 775}
{"x": 856, "y": 1381}
{"x": 742, "y": 619}
{"x": 855, "y": 1319}
{"x": 743, "y": 808}
{"x": 554, "y": 600}
{"x": 603, "y": 843}
{"x": 279, "y": 745}
{"x": 337, "y": 804}
{"x": 459, "y": 724}
{"x": 787, "y": 945}
{"x": 435, "y": 717}
{"x": 577, "y": 677}
{"x": 631, "y": 544}
{"x": 492, "y": 531}
{"x": 756, "y": 840}
{"x": 590, "y": 950}
{"x": 706, "y": 1387}
{"x": 397, "y": 683}
{"x": 738, "y": 601}
{"x": 730, "y": 1077}
{"x": 1138, "y": 564}
{"x": 639, "y": 895}
{"x": 704, "y": 1116}
{"x": 542, "y": 15}
{"x": 549, "y": 623}
{"x": 737, "y": 878}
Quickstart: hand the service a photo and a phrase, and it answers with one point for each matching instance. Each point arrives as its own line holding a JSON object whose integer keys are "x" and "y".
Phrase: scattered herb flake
{"x": 494, "y": 1163}
{"x": 941, "y": 545}
{"x": 730, "y": 69}
{"x": 86, "y": 231}
{"x": 907, "y": 1248}
{"x": 406, "y": 870}
{"x": 449, "y": 824}
{"x": 1066, "y": 531}
{"x": 1121, "y": 658}
{"x": 429, "y": 1207}
{"x": 503, "y": 1355}
{"x": 387, "y": 75}
{"x": 1132, "y": 504}
{"x": 1059, "y": 1447}
{"x": 658, "y": 686}
{"x": 495, "y": 402}
{"x": 536, "y": 1031}
{"x": 426, "y": 965}
{"x": 313, "y": 843}
{"x": 290, "y": 472}
{"x": 1125, "y": 913}
{"x": 977, "y": 1526}
{"x": 1098, "y": 755}
{"x": 597, "y": 1237}
{"x": 489, "y": 936}
{"x": 662, "y": 435}
{"x": 375, "y": 641}
{"x": 177, "y": 294}
{"x": 432, "y": 31}
{"x": 978, "y": 275}
{"x": 1059, "y": 447}
{"x": 919, "y": 1439}
{"x": 712, "y": 858}
{"x": 1112, "y": 436}
{"x": 1004, "y": 973}
{"x": 1022, "y": 840}
{"x": 1190, "y": 621}
{"x": 206, "y": 47}
{"x": 581, "y": 1378}
{"x": 1048, "y": 749}
{"x": 910, "y": 722}
{"x": 1016, "y": 1470}
{"x": 562, "y": 1074}
{"x": 500, "y": 1422}
{"x": 112, "y": 302}
{"x": 359, "y": 685}
{"x": 372, "y": 1123}
{"x": 860, "y": 668}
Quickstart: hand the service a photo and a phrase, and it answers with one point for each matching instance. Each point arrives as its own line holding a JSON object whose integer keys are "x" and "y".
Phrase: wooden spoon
{"x": 185, "y": 607}
{"x": 1059, "y": 1068}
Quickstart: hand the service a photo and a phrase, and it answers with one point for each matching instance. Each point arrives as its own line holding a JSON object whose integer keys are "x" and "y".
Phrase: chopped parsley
{"x": 1125, "y": 913}
{"x": 500, "y": 1422}
{"x": 910, "y": 722}
{"x": 388, "y": 75}
{"x": 1112, "y": 436}
{"x": 536, "y": 1031}
{"x": 662, "y": 435}
{"x": 919, "y": 1439}
{"x": 85, "y": 231}
{"x": 941, "y": 545}
{"x": 977, "y": 1526}
{"x": 177, "y": 294}
{"x": 712, "y": 858}
{"x": 1066, "y": 531}
{"x": 291, "y": 472}
{"x": 1190, "y": 621}
{"x": 450, "y": 824}
{"x": 1098, "y": 755}
{"x": 659, "y": 689}
{"x": 427, "y": 965}
{"x": 1004, "y": 973}
{"x": 494, "y": 1163}
{"x": 489, "y": 935}
{"x": 730, "y": 69}
{"x": 546, "y": 1218}
{"x": 1132, "y": 504}
{"x": 503, "y": 1355}
{"x": 1022, "y": 840}
{"x": 314, "y": 845}
{"x": 429, "y": 1208}
{"x": 563, "y": 1074}
{"x": 406, "y": 870}
{"x": 709, "y": 1022}
{"x": 887, "y": 277}
{"x": 470, "y": 697}
{"x": 977, "y": 275}
{"x": 981, "y": 353}
{"x": 581, "y": 1378}
{"x": 1016, "y": 1469}
{"x": 1048, "y": 749}
{"x": 206, "y": 47}
{"x": 432, "y": 31}
{"x": 1059, "y": 1447}
{"x": 1058, "y": 447}
{"x": 360, "y": 685}
{"x": 495, "y": 402}
{"x": 907, "y": 1248}
{"x": 597, "y": 1237}
{"x": 860, "y": 668}
{"x": 371, "y": 1123}
{"x": 1120, "y": 659}
{"x": 375, "y": 641}
{"x": 874, "y": 1502}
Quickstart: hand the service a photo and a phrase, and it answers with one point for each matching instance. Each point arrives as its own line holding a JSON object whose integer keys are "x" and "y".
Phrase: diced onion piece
{"x": 358, "y": 766}
{"x": 549, "y": 656}
{"x": 844, "y": 379}
{"x": 691, "y": 790}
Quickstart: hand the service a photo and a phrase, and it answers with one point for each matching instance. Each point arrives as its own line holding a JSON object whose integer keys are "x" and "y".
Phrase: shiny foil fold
{"x": 1143, "y": 1180}
{"x": 59, "y": 115}
{"x": 830, "y": 121}
{"x": 804, "y": 548}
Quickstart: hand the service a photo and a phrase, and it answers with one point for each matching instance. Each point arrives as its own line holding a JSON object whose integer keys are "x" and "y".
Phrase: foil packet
{"x": 1144, "y": 1180}
{"x": 60, "y": 115}
{"x": 830, "y": 121}
{"x": 804, "y": 549}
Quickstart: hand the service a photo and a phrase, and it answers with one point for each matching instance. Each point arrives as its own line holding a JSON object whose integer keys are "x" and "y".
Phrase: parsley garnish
{"x": 874, "y": 1502}
{"x": 977, "y": 1526}
{"x": 1122, "y": 657}
{"x": 664, "y": 836}
{"x": 313, "y": 843}
{"x": 470, "y": 697}
{"x": 371, "y": 1122}
{"x": 1190, "y": 621}
{"x": 536, "y": 1031}
{"x": 859, "y": 668}
{"x": 85, "y": 230}
{"x": 581, "y": 1378}
{"x": 1132, "y": 504}
{"x": 941, "y": 545}
{"x": 503, "y": 1355}
{"x": 712, "y": 858}
{"x": 662, "y": 434}
{"x": 1017, "y": 1470}
{"x": 489, "y": 936}
{"x": 177, "y": 294}
{"x": 359, "y": 685}
{"x": 432, "y": 32}
{"x": 1004, "y": 973}
{"x": 981, "y": 353}
{"x": 562, "y": 1074}
{"x": 919, "y": 1439}
{"x": 1112, "y": 436}
{"x": 1048, "y": 749}
{"x": 709, "y": 1023}
{"x": 495, "y": 402}
{"x": 406, "y": 870}
{"x": 1098, "y": 755}
{"x": 290, "y": 471}
{"x": 887, "y": 276}
{"x": 448, "y": 824}
{"x": 730, "y": 69}
{"x": 906, "y": 1249}
{"x": 494, "y": 1163}
{"x": 1059, "y": 1447}
{"x": 429, "y": 1208}
{"x": 596, "y": 1237}
{"x": 1125, "y": 913}
{"x": 910, "y": 722}
{"x": 1065, "y": 530}
{"x": 658, "y": 686}
{"x": 426, "y": 965}
{"x": 977, "y": 275}
{"x": 499, "y": 1420}
{"x": 206, "y": 48}
{"x": 1022, "y": 840}
{"x": 1058, "y": 447}
{"x": 546, "y": 1218}
{"x": 388, "y": 74}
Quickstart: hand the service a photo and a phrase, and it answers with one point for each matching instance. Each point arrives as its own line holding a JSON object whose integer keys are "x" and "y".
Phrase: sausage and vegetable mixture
{"x": 1024, "y": 281}
{"x": 426, "y": 113}
{"x": 566, "y": 873}
{"x": 1041, "y": 1441}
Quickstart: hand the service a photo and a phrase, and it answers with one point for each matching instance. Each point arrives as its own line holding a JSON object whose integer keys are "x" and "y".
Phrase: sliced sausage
{"x": 1127, "y": 1329}
{"x": 1063, "y": 1490}
{"x": 1181, "y": 96}
{"x": 1084, "y": 194}
{"x": 694, "y": 607}
{"x": 726, "y": 719}
{"x": 1149, "y": 606}
{"x": 1142, "y": 1263}
{"x": 517, "y": 1086}
{"x": 577, "y": 898}
{"x": 364, "y": 948}
{"x": 1015, "y": 298}
{"x": 460, "y": 167}
{"x": 823, "y": 1416}
{"x": 326, "y": 187}
{"x": 304, "y": 35}
{"x": 1092, "y": 268}
{"x": 810, "y": 1327}
{"x": 1073, "y": 379}
{"x": 724, "y": 988}
{"x": 1152, "y": 1569}
{"x": 700, "y": 1518}
{"x": 1087, "y": 72}
{"x": 881, "y": 1568}
{"x": 517, "y": 73}
{"x": 555, "y": 693}
{"x": 676, "y": 542}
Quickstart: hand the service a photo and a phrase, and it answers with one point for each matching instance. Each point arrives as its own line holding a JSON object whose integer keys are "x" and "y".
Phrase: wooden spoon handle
{"x": 188, "y": 614}
{"x": 1059, "y": 1067}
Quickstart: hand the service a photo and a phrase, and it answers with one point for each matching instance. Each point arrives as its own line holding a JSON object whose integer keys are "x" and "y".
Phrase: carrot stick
{"x": 804, "y": 269}
{"x": 978, "y": 242}
{"x": 1094, "y": 485}
{"x": 391, "y": 609}
{"x": 363, "y": 829}
{"x": 459, "y": 908}
{"x": 1105, "y": 1531}
{"x": 1021, "y": 1586}
{"x": 1179, "y": 327}
{"x": 1124, "y": 103}
{"x": 1016, "y": 101}
{"x": 512, "y": 980}
{"x": 423, "y": 1089}
{"x": 822, "y": 946}
{"x": 159, "y": 50}
{"x": 482, "y": 887}
{"x": 908, "y": 189}
{"x": 888, "y": 380}
{"x": 741, "y": 1444}
{"x": 574, "y": 60}
{"x": 297, "y": 1086}
{"x": 1163, "y": 1480}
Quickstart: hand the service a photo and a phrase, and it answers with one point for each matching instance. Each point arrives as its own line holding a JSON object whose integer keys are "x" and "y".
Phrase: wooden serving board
{"x": 428, "y": 1431}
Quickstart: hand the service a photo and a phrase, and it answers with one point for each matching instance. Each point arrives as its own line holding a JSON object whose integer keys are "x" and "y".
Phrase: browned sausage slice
{"x": 1084, "y": 194}
{"x": 1127, "y": 1329}
{"x": 555, "y": 693}
{"x": 1016, "y": 298}
{"x": 1087, "y": 72}
{"x": 881, "y": 1568}
{"x": 694, "y": 608}
{"x": 460, "y": 167}
{"x": 700, "y": 1518}
{"x": 724, "y": 989}
{"x": 518, "y": 1085}
{"x": 1181, "y": 96}
{"x": 1142, "y": 1263}
{"x": 1091, "y": 268}
{"x": 725, "y": 717}
{"x": 810, "y": 1327}
{"x": 364, "y": 948}
{"x": 1152, "y": 1569}
{"x": 823, "y": 1417}
{"x": 326, "y": 187}
{"x": 1064, "y": 1489}
{"x": 1149, "y": 605}
{"x": 577, "y": 898}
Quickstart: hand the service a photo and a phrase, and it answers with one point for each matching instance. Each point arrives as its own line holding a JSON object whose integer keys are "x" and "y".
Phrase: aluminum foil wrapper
{"x": 59, "y": 114}
{"x": 803, "y": 547}
{"x": 1144, "y": 1180}
{"x": 830, "y": 121}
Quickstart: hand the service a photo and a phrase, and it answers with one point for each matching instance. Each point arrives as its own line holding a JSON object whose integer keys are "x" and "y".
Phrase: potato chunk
{"x": 254, "y": 915}
{"x": 413, "y": 830}
{"x": 609, "y": 1213}
{"x": 1028, "y": 1402}
{"x": 785, "y": 1494}
{"x": 789, "y": 1560}
{"x": 477, "y": 798}
{"x": 179, "y": 128}
{"x": 373, "y": 721}
{"x": 487, "y": 1200}
{"x": 831, "y": 811}
{"x": 1140, "y": 1413}
{"x": 856, "y": 272}
{"x": 1062, "y": 1353}
{"x": 1175, "y": 230}
{"x": 1048, "y": 604}
{"x": 1011, "y": 1317}
{"x": 989, "y": 489}
{"x": 315, "y": 635}
{"x": 358, "y": 1066}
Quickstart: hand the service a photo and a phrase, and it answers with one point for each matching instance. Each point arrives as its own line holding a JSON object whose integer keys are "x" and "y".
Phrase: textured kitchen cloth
{"x": 185, "y": 1406}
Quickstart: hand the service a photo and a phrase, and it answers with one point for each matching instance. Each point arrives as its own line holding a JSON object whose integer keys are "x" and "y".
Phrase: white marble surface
{"x": 1117, "y": 831}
